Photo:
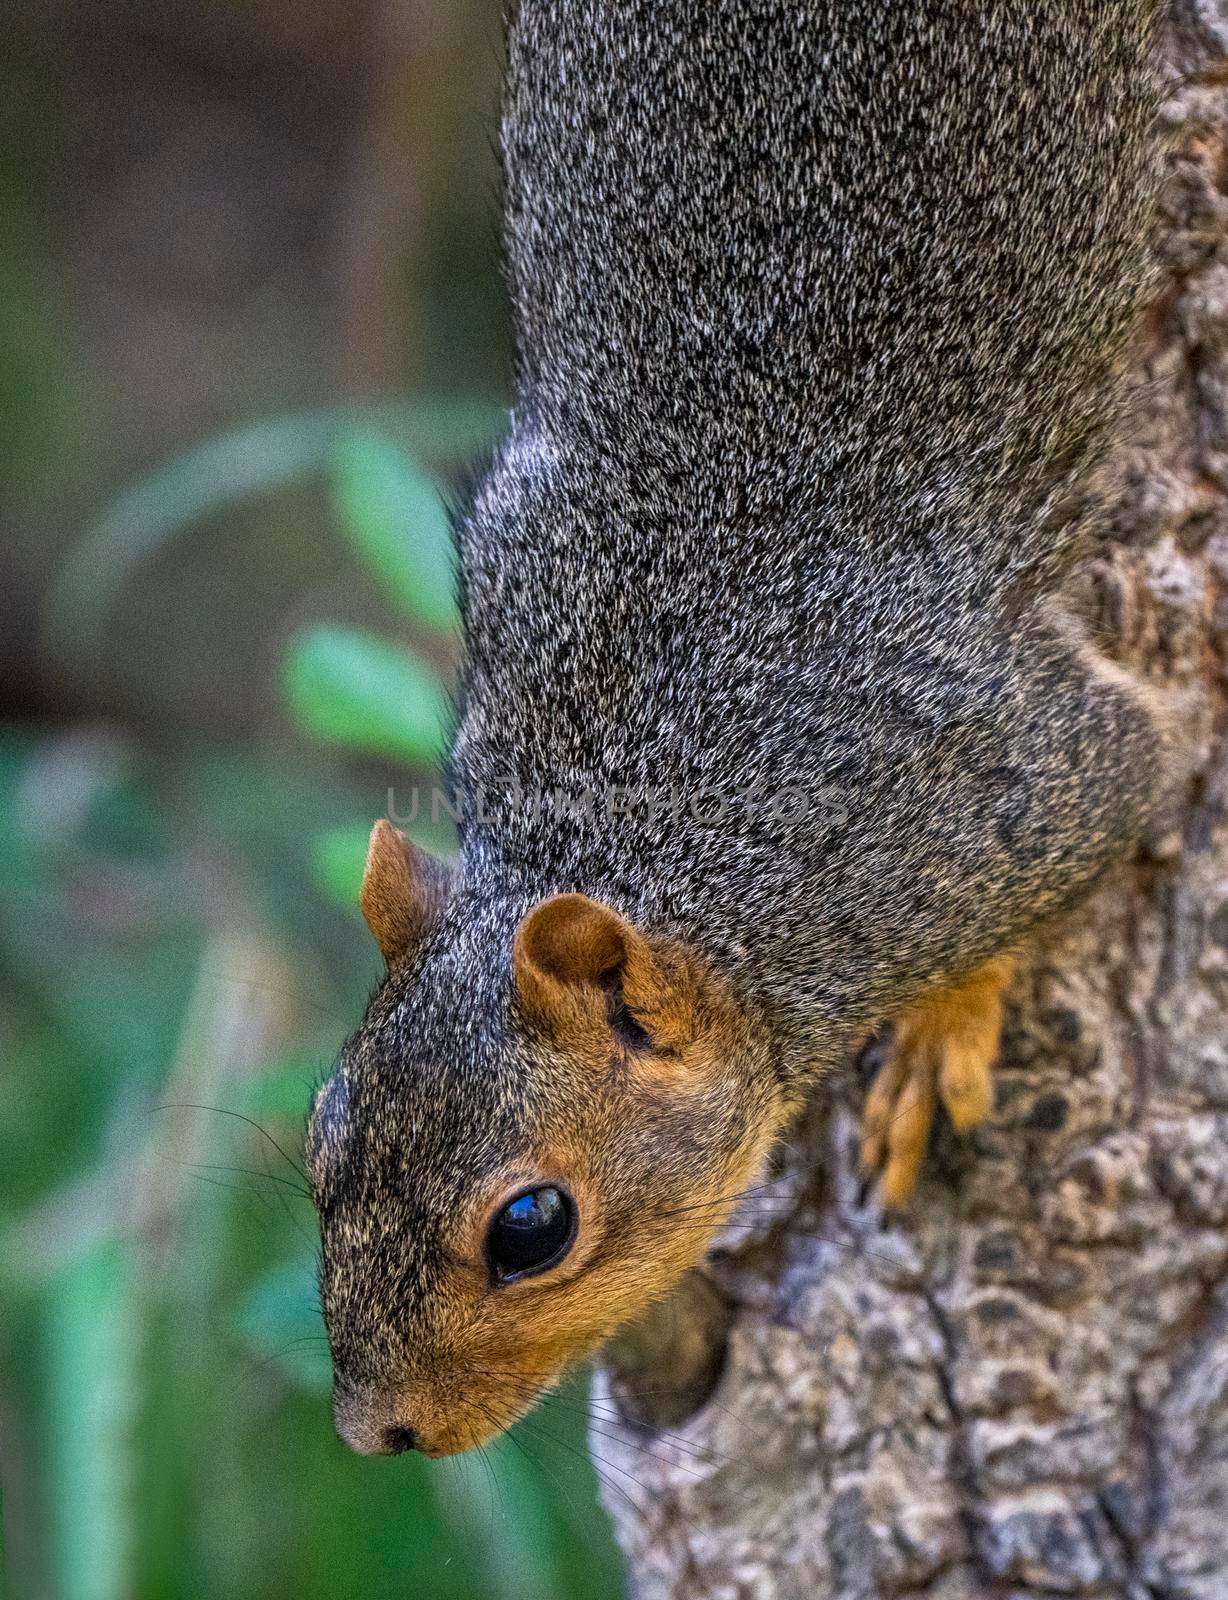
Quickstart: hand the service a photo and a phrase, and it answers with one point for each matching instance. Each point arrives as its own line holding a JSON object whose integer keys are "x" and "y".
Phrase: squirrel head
{"x": 541, "y": 1122}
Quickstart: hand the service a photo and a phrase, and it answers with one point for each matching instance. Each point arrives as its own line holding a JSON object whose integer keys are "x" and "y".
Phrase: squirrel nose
{"x": 372, "y": 1423}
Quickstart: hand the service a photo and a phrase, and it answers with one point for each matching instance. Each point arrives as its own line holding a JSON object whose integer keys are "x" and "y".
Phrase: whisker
{"x": 496, "y": 1487}
{"x": 223, "y": 1111}
{"x": 731, "y": 1197}
{"x": 249, "y": 1191}
{"x": 614, "y": 1414}
{"x": 259, "y": 1364}
{"x": 509, "y": 1433}
{"x": 250, "y": 1172}
{"x": 283, "y": 994}
{"x": 517, "y": 1380}
{"x": 295, "y": 1222}
{"x": 649, "y": 1448}
{"x": 698, "y": 1452}
{"x": 592, "y": 1459}
{"x": 598, "y": 1462}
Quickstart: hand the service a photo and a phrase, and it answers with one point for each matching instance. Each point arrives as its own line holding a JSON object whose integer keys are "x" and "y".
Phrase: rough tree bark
{"x": 1021, "y": 1388}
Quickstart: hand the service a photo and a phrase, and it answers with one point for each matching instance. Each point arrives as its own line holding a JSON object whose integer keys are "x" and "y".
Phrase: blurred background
{"x": 251, "y": 337}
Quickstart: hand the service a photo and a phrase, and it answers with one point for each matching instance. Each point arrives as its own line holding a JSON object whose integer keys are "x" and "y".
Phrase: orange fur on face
{"x": 653, "y": 1126}
{"x": 519, "y": 1339}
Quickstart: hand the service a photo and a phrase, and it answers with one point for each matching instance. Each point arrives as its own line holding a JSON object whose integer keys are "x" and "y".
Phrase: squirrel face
{"x": 530, "y": 1138}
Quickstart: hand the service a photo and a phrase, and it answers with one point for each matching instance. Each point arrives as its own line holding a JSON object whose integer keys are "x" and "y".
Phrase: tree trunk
{"x": 1020, "y": 1388}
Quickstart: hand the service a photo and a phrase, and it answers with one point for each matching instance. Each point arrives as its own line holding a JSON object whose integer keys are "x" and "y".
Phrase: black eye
{"x": 532, "y": 1231}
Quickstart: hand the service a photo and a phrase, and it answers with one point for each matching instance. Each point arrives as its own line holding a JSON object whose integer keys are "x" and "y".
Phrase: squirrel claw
{"x": 943, "y": 1049}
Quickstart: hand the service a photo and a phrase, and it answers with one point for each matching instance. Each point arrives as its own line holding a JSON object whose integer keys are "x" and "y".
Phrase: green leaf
{"x": 393, "y": 516}
{"x": 356, "y": 690}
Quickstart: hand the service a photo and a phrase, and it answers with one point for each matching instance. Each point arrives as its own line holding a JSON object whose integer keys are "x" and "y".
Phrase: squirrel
{"x": 774, "y": 726}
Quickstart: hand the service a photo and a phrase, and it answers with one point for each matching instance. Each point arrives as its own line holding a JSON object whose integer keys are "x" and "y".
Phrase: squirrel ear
{"x": 570, "y": 943}
{"x": 402, "y": 888}
{"x": 567, "y": 940}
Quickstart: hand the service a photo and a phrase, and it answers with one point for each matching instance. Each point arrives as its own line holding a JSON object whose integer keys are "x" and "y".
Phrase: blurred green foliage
{"x": 226, "y": 622}
{"x": 379, "y": 494}
{"x": 179, "y": 962}
{"x": 357, "y": 690}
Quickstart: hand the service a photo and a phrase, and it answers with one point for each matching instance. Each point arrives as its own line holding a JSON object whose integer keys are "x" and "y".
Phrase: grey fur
{"x": 819, "y": 306}
{"x": 820, "y": 310}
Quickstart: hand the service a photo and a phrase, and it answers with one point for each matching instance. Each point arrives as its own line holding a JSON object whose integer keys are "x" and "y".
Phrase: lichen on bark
{"x": 1020, "y": 1388}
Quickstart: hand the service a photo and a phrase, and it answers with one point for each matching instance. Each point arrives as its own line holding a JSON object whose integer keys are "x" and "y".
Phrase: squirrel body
{"x": 773, "y": 724}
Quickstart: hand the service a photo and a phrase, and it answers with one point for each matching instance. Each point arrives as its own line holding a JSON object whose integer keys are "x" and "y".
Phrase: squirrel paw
{"x": 943, "y": 1048}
